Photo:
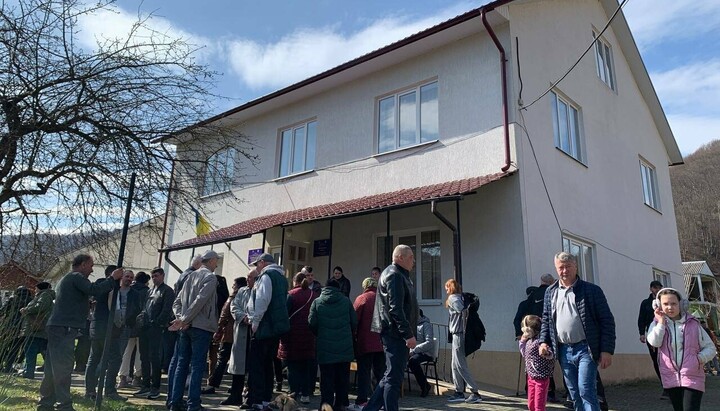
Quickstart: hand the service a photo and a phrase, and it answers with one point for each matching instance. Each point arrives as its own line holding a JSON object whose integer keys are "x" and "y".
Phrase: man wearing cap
{"x": 268, "y": 318}
{"x": 196, "y": 320}
{"x": 645, "y": 318}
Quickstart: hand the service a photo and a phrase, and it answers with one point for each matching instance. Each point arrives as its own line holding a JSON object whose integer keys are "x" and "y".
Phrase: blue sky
{"x": 261, "y": 46}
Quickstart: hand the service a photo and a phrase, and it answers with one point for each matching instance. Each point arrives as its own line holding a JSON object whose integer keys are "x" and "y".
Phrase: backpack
{"x": 535, "y": 302}
{"x": 474, "y": 329}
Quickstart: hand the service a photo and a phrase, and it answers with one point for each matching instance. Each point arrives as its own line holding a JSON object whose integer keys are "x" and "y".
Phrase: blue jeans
{"x": 580, "y": 372}
{"x": 367, "y": 364}
{"x": 114, "y": 353}
{"x": 192, "y": 350}
{"x": 55, "y": 386}
{"x": 33, "y": 347}
{"x": 387, "y": 392}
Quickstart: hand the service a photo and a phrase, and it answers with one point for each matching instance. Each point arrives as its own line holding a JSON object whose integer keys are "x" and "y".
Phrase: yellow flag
{"x": 202, "y": 225}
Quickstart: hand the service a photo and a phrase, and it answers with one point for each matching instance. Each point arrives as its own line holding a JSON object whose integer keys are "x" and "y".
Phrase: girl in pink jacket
{"x": 683, "y": 349}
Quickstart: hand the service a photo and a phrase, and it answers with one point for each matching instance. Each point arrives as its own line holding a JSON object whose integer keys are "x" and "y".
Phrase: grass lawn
{"x": 22, "y": 394}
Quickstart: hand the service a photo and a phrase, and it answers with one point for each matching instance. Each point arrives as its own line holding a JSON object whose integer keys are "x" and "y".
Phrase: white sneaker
{"x": 473, "y": 399}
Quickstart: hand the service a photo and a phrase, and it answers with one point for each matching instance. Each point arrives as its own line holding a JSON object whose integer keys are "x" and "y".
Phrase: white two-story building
{"x": 459, "y": 142}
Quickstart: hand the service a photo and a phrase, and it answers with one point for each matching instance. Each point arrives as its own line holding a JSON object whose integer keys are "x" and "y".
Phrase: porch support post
{"x": 456, "y": 240}
{"x": 282, "y": 246}
{"x": 329, "y": 265}
{"x": 388, "y": 239}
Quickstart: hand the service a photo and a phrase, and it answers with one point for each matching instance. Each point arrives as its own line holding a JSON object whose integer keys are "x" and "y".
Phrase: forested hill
{"x": 696, "y": 194}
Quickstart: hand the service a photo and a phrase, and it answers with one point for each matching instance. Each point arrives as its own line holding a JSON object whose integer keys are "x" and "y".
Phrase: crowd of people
{"x": 137, "y": 328}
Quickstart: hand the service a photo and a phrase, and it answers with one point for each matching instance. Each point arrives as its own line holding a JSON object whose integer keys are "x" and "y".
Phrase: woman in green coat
{"x": 333, "y": 320}
{"x": 35, "y": 316}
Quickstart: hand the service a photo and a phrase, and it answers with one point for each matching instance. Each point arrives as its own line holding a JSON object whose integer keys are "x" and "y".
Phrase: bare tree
{"x": 696, "y": 190}
{"x": 75, "y": 123}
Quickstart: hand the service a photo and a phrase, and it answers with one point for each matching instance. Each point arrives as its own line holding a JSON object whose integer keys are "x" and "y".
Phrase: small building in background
{"x": 701, "y": 288}
{"x": 12, "y": 276}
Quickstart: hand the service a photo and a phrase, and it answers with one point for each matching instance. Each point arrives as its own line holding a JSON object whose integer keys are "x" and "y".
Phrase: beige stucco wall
{"x": 600, "y": 201}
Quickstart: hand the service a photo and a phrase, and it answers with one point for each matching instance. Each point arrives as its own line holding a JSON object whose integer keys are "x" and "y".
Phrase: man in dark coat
{"x": 127, "y": 308}
{"x": 645, "y": 317}
{"x": 395, "y": 318}
{"x": 11, "y": 322}
{"x": 154, "y": 320}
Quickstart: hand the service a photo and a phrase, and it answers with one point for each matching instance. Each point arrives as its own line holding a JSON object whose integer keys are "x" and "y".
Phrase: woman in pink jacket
{"x": 683, "y": 349}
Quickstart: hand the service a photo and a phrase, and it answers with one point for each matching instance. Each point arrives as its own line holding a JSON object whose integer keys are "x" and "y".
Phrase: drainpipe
{"x": 503, "y": 72}
{"x": 456, "y": 240}
{"x": 169, "y": 261}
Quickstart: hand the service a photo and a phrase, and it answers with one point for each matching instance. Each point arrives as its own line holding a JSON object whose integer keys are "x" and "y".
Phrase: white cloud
{"x": 691, "y": 132}
{"x": 656, "y": 21}
{"x": 692, "y": 88}
{"x": 310, "y": 51}
{"x": 114, "y": 23}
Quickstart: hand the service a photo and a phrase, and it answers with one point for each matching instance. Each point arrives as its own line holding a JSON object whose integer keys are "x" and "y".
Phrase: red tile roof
{"x": 405, "y": 197}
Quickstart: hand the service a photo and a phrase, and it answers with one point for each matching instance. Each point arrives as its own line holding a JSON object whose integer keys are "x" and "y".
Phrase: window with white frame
{"x": 408, "y": 118}
{"x": 661, "y": 276}
{"x": 219, "y": 172}
{"x": 297, "y": 148}
{"x": 566, "y": 127}
{"x": 604, "y": 61}
{"x": 426, "y": 275}
{"x": 649, "y": 184}
{"x": 584, "y": 253}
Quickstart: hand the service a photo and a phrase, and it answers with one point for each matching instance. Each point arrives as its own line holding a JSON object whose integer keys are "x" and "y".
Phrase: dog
{"x": 286, "y": 403}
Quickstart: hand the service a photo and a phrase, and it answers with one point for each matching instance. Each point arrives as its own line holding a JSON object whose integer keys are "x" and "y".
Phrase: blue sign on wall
{"x": 321, "y": 248}
{"x": 254, "y": 254}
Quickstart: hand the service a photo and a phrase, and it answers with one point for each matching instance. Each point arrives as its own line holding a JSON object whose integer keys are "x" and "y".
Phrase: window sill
{"x": 571, "y": 157}
{"x": 291, "y": 176}
{"x": 217, "y": 194}
{"x": 653, "y": 208}
{"x": 427, "y": 143}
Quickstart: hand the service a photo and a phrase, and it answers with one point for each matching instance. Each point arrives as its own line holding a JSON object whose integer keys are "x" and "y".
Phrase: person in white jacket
{"x": 683, "y": 349}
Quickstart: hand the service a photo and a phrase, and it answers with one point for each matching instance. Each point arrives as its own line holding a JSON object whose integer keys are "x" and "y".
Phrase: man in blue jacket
{"x": 579, "y": 329}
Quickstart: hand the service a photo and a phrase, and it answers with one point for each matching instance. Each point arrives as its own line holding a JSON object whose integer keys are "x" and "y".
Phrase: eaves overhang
{"x": 363, "y": 205}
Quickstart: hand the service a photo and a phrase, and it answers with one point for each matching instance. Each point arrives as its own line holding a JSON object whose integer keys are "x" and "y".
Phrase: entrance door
{"x": 294, "y": 258}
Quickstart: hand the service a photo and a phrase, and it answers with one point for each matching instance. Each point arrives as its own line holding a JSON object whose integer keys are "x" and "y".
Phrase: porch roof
{"x": 376, "y": 202}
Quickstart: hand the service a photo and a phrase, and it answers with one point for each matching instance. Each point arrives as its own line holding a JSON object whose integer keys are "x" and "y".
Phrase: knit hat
{"x": 369, "y": 282}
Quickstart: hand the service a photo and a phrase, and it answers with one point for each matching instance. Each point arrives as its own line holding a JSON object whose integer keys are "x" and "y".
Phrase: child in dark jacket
{"x": 539, "y": 368}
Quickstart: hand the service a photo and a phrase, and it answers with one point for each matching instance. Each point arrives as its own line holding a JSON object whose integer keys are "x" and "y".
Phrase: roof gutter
{"x": 503, "y": 79}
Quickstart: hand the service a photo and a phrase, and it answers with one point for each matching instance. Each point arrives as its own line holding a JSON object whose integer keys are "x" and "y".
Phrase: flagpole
{"x": 113, "y": 304}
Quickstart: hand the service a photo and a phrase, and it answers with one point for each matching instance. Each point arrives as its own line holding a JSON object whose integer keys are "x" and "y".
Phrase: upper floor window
{"x": 219, "y": 172}
{"x": 426, "y": 274}
{"x": 585, "y": 258}
{"x": 297, "y": 148}
{"x": 566, "y": 127}
{"x": 661, "y": 276}
{"x": 649, "y": 185}
{"x": 408, "y": 118}
{"x": 604, "y": 61}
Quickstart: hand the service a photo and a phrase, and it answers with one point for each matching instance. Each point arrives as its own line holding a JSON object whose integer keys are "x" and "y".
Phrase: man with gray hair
{"x": 395, "y": 319}
{"x": 196, "y": 320}
{"x": 579, "y": 329}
